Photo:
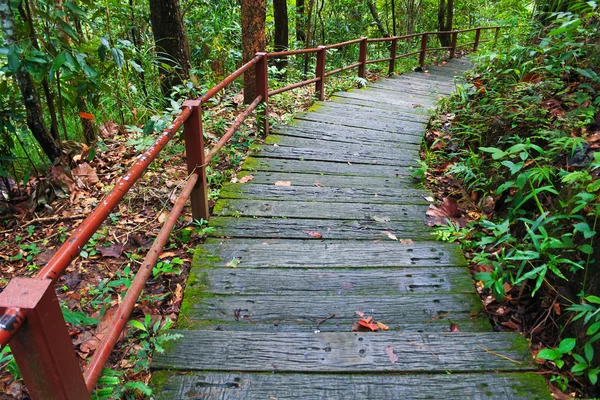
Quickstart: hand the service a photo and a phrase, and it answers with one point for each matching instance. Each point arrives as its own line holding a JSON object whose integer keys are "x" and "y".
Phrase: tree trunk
{"x": 300, "y": 33}
{"x": 376, "y": 18}
{"x": 281, "y": 31}
{"x": 445, "y": 14}
{"x": 395, "y": 32}
{"x": 31, "y": 100}
{"x": 171, "y": 40}
{"x": 254, "y": 14}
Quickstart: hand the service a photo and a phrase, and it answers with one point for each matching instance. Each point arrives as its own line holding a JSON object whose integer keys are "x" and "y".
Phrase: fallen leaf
{"x": 246, "y": 178}
{"x": 366, "y": 322}
{"x": 114, "y": 250}
{"x": 283, "y": 183}
{"x": 382, "y": 326}
{"x": 406, "y": 241}
{"x": 448, "y": 210}
{"x": 85, "y": 115}
{"x": 381, "y": 219}
{"x": 86, "y": 173}
{"x": 360, "y": 313}
{"x": 314, "y": 234}
{"x": 317, "y": 184}
{"x": 453, "y": 327}
{"x": 167, "y": 254}
{"x": 390, "y": 235}
{"x": 391, "y": 355}
{"x": 163, "y": 217}
{"x": 429, "y": 199}
{"x": 557, "y": 308}
{"x": 101, "y": 331}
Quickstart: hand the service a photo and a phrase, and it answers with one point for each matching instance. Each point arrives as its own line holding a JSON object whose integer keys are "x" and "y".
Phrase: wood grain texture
{"x": 337, "y": 181}
{"x": 383, "y": 125}
{"x": 324, "y": 167}
{"x": 414, "y": 105}
{"x": 254, "y": 191}
{"x": 353, "y": 110}
{"x": 225, "y": 385}
{"x": 315, "y": 210}
{"x": 296, "y": 228}
{"x": 391, "y": 147}
{"x": 326, "y": 253}
{"x": 335, "y": 281}
{"x": 347, "y": 352}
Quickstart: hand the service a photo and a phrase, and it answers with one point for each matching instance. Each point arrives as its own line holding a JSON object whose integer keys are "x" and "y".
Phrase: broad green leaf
{"x": 566, "y": 345}
{"x": 75, "y": 9}
{"x": 14, "y": 62}
{"x": 496, "y": 153}
{"x": 58, "y": 62}
{"x": 579, "y": 367}
{"x": 483, "y": 276}
{"x": 138, "y": 325}
{"x": 118, "y": 57}
{"x": 593, "y": 328}
{"x": 593, "y": 299}
{"x": 589, "y": 352}
{"x": 549, "y": 354}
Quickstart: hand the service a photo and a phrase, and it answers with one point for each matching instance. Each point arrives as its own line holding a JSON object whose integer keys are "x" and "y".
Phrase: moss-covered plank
{"x": 337, "y": 181}
{"x": 308, "y": 253}
{"x": 335, "y": 281}
{"x": 296, "y": 228}
{"x": 293, "y": 386}
{"x": 316, "y": 210}
{"x": 353, "y": 110}
{"x": 347, "y": 352}
{"x": 356, "y": 147}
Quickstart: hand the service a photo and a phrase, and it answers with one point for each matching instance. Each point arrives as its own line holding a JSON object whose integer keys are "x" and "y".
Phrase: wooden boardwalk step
{"x": 330, "y": 226}
{"x": 347, "y": 352}
{"x": 226, "y": 385}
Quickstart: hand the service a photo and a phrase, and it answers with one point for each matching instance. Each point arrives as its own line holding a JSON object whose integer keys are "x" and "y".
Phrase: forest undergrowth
{"x": 514, "y": 158}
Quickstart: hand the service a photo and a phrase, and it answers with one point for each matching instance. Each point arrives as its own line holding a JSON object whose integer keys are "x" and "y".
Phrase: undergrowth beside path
{"x": 514, "y": 155}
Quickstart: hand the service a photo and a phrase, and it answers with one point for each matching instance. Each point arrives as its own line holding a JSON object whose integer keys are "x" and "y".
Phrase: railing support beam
{"x": 362, "y": 58}
{"x": 320, "y": 73}
{"x": 477, "y": 38}
{"x": 453, "y": 45}
{"x": 194, "y": 151}
{"x": 423, "y": 53}
{"x": 262, "y": 89}
{"x": 393, "y": 52}
{"x": 42, "y": 347}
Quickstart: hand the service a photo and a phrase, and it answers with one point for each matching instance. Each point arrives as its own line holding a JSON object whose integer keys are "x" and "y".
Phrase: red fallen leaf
{"x": 86, "y": 115}
{"x": 114, "y": 250}
{"x": 314, "y": 234}
{"x": 511, "y": 325}
{"x": 391, "y": 355}
{"x": 447, "y": 210}
{"x": 453, "y": 327}
{"x": 366, "y": 322}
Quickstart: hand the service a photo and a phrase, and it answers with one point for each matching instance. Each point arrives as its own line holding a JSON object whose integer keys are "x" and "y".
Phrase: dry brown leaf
{"x": 314, "y": 234}
{"x": 246, "y": 178}
{"x": 283, "y": 183}
{"x": 390, "y": 235}
{"x": 447, "y": 210}
{"x": 163, "y": 217}
{"x": 382, "y": 326}
{"x": 86, "y": 173}
{"x": 391, "y": 355}
{"x": 360, "y": 313}
{"x": 406, "y": 241}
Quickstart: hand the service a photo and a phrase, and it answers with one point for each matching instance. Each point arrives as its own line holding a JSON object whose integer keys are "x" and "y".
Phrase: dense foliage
{"x": 524, "y": 141}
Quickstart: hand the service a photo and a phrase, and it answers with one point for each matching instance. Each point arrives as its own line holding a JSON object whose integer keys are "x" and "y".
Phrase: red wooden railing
{"x": 31, "y": 318}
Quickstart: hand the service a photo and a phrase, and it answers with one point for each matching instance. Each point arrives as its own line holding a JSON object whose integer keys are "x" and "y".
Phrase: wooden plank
{"x": 391, "y": 93}
{"x": 433, "y": 92}
{"x": 377, "y": 106}
{"x": 353, "y": 110}
{"x": 254, "y": 191}
{"x": 325, "y": 168}
{"x": 357, "y": 147}
{"x": 346, "y": 352}
{"x": 296, "y": 228}
{"x": 315, "y": 210}
{"x": 366, "y": 155}
{"x": 382, "y": 99}
{"x": 298, "y": 283}
{"x": 318, "y": 180}
{"x": 302, "y": 313}
{"x": 384, "y": 125}
{"x": 334, "y": 133}
{"x": 268, "y": 253}
{"x": 472, "y": 386}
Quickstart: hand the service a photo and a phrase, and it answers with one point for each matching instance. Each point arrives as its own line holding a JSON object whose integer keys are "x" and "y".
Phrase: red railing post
{"x": 362, "y": 58}
{"x": 453, "y": 45}
{"x": 42, "y": 347}
{"x": 393, "y": 52}
{"x": 477, "y": 38}
{"x": 262, "y": 89}
{"x": 320, "y": 72}
{"x": 423, "y": 51}
{"x": 194, "y": 151}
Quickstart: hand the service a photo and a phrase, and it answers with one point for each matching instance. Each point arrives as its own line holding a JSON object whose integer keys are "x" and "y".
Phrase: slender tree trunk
{"x": 281, "y": 31}
{"x": 135, "y": 38}
{"x": 321, "y": 21}
{"x": 254, "y": 14}
{"x": 445, "y": 15}
{"x": 376, "y": 18}
{"x": 171, "y": 41}
{"x": 394, "y": 18}
{"x": 308, "y": 33}
{"x": 31, "y": 100}
{"x": 300, "y": 33}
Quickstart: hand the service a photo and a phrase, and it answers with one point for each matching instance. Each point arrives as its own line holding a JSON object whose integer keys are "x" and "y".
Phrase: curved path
{"x": 307, "y": 245}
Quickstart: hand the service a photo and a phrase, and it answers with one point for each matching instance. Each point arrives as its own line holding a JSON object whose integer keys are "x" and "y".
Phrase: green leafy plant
{"x": 151, "y": 337}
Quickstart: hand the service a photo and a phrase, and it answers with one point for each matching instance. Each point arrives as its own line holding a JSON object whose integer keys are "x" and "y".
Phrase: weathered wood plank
{"x": 382, "y": 106}
{"x": 419, "y": 82}
{"x": 431, "y": 92}
{"x": 422, "y": 108}
{"x": 296, "y": 228}
{"x": 267, "y": 253}
{"x": 472, "y": 386}
{"x": 353, "y": 110}
{"x": 358, "y": 147}
{"x": 315, "y": 210}
{"x": 288, "y": 313}
{"x": 298, "y": 283}
{"x": 347, "y": 352}
{"x": 323, "y": 167}
{"x": 336, "y": 134}
{"x": 366, "y": 155}
{"x": 254, "y": 191}
{"x": 318, "y": 180}
{"x": 384, "y": 125}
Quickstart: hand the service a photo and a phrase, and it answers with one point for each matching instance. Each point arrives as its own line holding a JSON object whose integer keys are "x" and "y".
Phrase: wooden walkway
{"x": 270, "y": 304}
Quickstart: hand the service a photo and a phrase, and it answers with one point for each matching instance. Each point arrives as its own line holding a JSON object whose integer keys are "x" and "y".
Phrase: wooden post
{"x": 453, "y": 45}
{"x": 362, "y": 58}
{"x": 477, "y": 38}
{"x": 496, "y": 35}
{"x": 194, "y": 151}
{"x": 423, "y": 51}
{"x": 262, "y": 89}
{"x": 42, "y": 347}
{"x": 393, "y": 52}
{"x": 320, "y": 72}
